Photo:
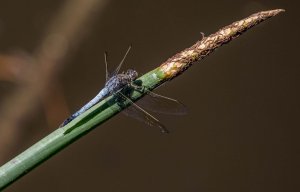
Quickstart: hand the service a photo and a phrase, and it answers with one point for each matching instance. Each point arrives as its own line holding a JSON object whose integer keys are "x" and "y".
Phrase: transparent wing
{"x": 162, "y": 104}
{"x": 138, "y": 113}
{"x": 110, "y": 74}
{"x": 107, "y": 75}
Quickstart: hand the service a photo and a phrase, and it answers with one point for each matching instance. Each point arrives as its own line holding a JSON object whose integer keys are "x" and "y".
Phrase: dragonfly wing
{"x": 138, "y": 113}
{"x": 162, "y": 104}
{"x": 107, "y": 75}
{"x": 116, "y": 71}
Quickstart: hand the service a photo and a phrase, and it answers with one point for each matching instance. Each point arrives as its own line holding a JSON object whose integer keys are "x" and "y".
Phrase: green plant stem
{"x": 101, "y": 112}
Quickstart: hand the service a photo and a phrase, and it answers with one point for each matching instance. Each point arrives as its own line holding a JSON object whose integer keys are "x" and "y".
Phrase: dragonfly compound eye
{"x": 132, "y": 74}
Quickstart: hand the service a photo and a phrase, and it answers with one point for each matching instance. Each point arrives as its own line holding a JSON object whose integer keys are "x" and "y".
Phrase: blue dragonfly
{"x": 116, "y": 81}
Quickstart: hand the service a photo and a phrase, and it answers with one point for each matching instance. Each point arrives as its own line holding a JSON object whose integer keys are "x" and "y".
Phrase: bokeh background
{"x": 242, "y": 130}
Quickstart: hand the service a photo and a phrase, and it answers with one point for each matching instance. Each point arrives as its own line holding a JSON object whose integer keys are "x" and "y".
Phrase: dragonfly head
{"x": 132, "y": 74}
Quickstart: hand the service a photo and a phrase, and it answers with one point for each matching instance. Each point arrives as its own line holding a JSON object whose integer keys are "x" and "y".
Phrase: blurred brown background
{"x": 242, "y": 130}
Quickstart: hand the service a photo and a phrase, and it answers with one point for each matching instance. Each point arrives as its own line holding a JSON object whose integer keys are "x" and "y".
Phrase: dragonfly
{"x": 154, "y": 102}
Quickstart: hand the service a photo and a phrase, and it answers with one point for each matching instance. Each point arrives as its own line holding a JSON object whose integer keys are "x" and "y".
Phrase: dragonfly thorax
{"x": 118, "y": 81}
